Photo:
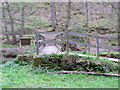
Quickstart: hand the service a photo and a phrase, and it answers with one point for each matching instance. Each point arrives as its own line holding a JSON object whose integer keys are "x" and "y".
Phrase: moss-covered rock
{"x": 111, "y": 55}
{"x": 10, "y": 52}
{"x": 25, "y": 57}
{"x": 71, "y": 62}
{"x": 37, "y": 61}
{"x": 47, "y": 60}
{"x": 68, "y": 62}
{"x": 89, "y": 65}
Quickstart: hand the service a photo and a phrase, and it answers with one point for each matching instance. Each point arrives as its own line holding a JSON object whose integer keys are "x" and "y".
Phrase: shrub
{"x": 114, "y": 44}
{"x": 15, "y": 62}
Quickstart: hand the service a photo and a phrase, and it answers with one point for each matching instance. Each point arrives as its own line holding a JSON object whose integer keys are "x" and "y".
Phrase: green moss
{"x": 112, "y": 54}
{"x": 75, "y": 62}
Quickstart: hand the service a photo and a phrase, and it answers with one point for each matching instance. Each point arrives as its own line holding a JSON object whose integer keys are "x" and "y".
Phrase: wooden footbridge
{"x": 52, "y": 42}
{"x": 47, "y": 42}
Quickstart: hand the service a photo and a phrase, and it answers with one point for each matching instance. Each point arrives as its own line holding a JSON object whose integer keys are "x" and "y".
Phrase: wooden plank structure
{"x": 60, "y": 37}
{"x": 43, "y": 38}
{"x": 98, "y": 37}
{"x": 25, "y": 41}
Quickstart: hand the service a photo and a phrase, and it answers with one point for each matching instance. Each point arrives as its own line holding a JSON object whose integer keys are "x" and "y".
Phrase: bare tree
{"x": 67, "y": 24}
{"x": 53, "y": 16}
{"x": 118, "y": 28}
{"x": 87, "y": 16}
{"x": 114, "y": 6}
{"x": 22, "y": 20}
{"x": 5, "y": 23}
{"x": 11, "y": 22}
{"x": 87, "y": 22}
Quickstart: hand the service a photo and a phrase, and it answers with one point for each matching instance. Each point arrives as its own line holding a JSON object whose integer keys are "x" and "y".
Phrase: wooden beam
{"x": 83, "y": 72}
{"x": 37, "y": 44}
{"x": 39, "y": 33}
{"x": 93, "y": 35}
{"x": 89, "y": 45}
{"x": 97, "y": 47}
{"x": 84, "y": 44}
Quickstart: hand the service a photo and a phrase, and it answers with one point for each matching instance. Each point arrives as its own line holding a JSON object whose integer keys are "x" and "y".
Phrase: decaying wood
{"x": 92, "y": 73}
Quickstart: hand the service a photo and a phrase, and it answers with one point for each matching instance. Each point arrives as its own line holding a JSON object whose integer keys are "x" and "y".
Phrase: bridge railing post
{"x": 37, "y": 44}
{"x": 97, "y": 46}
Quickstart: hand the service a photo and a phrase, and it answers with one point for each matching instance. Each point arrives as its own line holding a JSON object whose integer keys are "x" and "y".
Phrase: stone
{"x": 37, "y": 61}
{"x": 68, "y": 62}
{"x": 112, "y": 54}
{"x": 70, "y": 59}
{"x": 25, "y": 57}
{"x": 88, "y": 65}
{"x": 72, "y": 47}
{"x": 10, "y": 55}
{"x": 71, "y": 62}
{"x": 11, "y": 52}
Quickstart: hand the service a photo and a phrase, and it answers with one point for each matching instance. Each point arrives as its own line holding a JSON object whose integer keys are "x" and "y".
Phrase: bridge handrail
{"x": 97, "y": 41}
{"x": 93, "y": 35}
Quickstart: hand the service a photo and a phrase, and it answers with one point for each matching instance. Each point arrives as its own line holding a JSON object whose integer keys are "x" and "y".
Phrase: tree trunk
{"x": 12, "y": 23}
{"x": 5, "y": 23}
{"x": 87, "y": 22}
{"x": 87, "y": 17}
{"x": 53, "y": 16}
{"x": 118, "y": 27}
{"x": 114, "y": 7}
{"x": 22, "y": 21}
{"x": 67, "y": 25}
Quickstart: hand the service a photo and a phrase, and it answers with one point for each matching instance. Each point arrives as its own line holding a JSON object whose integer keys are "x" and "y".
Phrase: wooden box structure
{"x": 25, "y": 41}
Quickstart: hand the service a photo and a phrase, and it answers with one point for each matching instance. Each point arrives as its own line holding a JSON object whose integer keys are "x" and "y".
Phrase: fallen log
{"x": 92, "y": 73}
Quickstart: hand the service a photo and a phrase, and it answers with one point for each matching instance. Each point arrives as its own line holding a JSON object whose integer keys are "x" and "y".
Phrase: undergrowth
{"x": 16, "y": 75}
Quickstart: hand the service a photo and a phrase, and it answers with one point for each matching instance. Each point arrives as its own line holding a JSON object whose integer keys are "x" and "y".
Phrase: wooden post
{"x": 37, "y": 44}
{"x": 88, "y": 43}
{"x": 108, "y": 49}
{"x": 97, "y": 47}
{"x": 67, "y": 25}
{"x": 67, "y": 42}
{"x": 20, "y": 43}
